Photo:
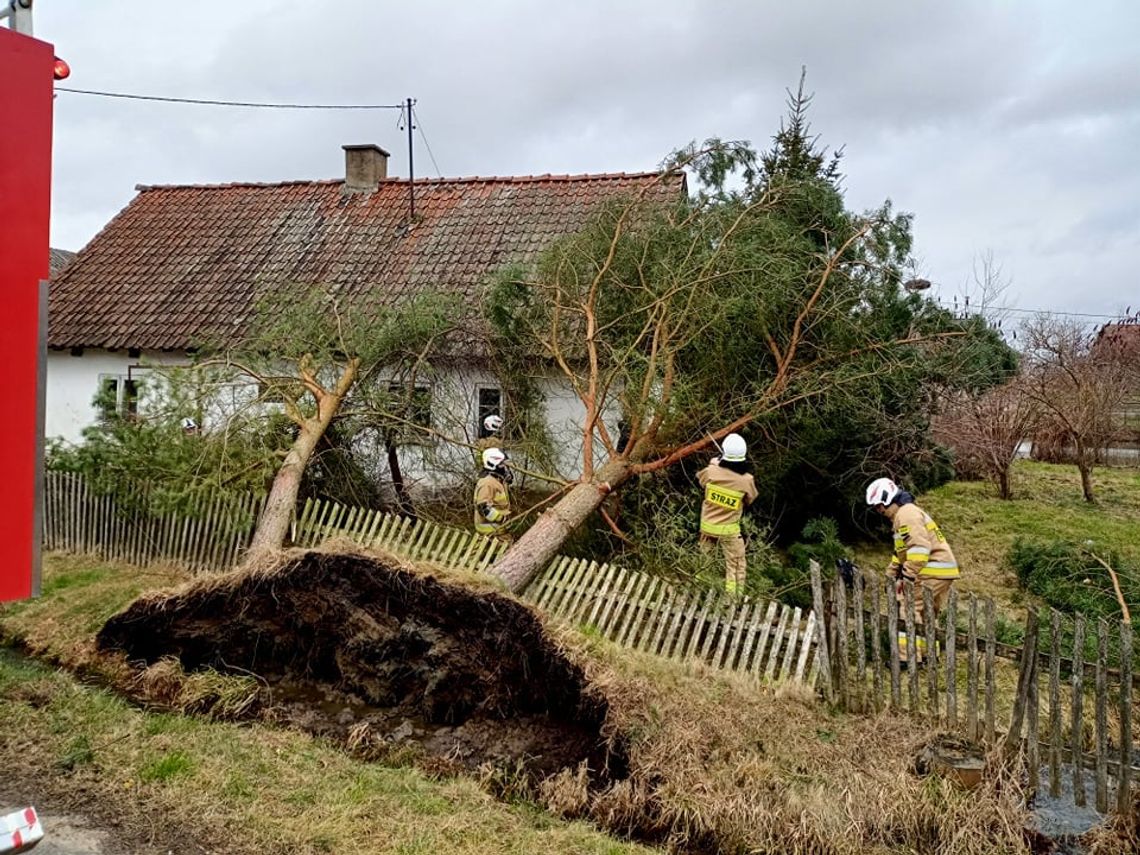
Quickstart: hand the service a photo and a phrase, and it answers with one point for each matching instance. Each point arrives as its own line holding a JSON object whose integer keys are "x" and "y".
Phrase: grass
{"x": 1047, "y": 504}
{"x": 717, "y": 763}
{"x": 259, "y": 788}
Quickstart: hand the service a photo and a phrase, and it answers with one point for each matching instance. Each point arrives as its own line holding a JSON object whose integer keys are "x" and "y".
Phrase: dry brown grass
{"x": 719, "y": 758}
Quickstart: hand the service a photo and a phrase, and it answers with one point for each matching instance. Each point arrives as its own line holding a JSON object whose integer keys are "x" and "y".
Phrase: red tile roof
{"x": 1119, "y": 339}
{"x": 180, "y": 259}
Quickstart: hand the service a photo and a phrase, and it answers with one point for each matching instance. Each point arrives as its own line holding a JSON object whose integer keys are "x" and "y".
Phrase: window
{"x": 118, "y": 395}
{"x": 490, "y": 402}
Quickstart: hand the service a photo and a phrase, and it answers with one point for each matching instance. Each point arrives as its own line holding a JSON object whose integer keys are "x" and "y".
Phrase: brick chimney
{"x": 365, "y": 166}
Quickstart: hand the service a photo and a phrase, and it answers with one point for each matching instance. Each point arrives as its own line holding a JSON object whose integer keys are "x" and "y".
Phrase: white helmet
{"x": 493, "y": 423}
{"x": 493, "y": 458}
{"x": 189, "y": 424}
{"x": 881, "y": 491}
{"x": 735, "y": 448}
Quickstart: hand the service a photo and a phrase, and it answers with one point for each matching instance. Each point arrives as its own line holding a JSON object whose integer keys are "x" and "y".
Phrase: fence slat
{"x": 991, "y": 642}
{"x": 662, "y": 619}
{"x": 625, "y": 578}
{"x": 860, "y": 644}
{"x": 1077, "y": 718}
{"x": 1055, "y": 744}
{"x": 1101, "y": 716}
{"x": 805, "y": 647}
{"x": 566, "y": 604}
{"x": 952, "y": 659}
{"x": 790, "y": 648}
{"x": 765, "y": 632}
{"x": 893, "y": 650}
{"x": 823, "y": 658}
{"x": 972, "y": 671}
{"x": 731, "y": 652}
{"x": 930, "y": 628}
{"x": 1124, "y": 777}
{"x": 774, "y": 652}
{"x": 911, "y": 648}
{"x": 712, "y": 627}
{"x": 699, "y": 624}
{"x": 876, "y": 644}
{"x": 643, "y": 599}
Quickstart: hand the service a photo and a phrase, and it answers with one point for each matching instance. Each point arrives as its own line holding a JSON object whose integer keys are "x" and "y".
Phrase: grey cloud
{"x": 999, "y": 125}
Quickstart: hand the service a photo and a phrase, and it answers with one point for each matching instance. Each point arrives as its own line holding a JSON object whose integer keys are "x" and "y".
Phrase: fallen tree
{"x": 677, "y": 325}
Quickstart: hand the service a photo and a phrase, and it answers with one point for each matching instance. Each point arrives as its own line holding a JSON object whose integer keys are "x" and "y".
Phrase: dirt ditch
{"x": 380, "y": 657}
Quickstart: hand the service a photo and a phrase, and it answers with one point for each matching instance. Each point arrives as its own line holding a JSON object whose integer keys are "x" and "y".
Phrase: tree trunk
{"x": 1004, "y": 490}
{"x": 403, "y": 500}
{"x": 535, "y": 549}
{"x": 274, "y": 522}
{"x": 1086, "y": 479}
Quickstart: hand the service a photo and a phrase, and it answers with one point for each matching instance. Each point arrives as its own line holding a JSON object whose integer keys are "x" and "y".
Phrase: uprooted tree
{"x": 677, "y": 323}
{"x": 309, "y": 352}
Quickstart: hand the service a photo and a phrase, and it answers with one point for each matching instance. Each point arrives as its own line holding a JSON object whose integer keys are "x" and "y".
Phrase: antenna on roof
{"x": 407, "y": 120}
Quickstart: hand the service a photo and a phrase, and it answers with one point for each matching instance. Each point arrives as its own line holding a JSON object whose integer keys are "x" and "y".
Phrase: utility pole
{"x": 19, "y": 15}
{"x": 411, "y": 167}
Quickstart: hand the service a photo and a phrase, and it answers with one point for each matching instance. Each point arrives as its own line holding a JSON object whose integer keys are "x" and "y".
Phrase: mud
{"x": 382, "y": 658}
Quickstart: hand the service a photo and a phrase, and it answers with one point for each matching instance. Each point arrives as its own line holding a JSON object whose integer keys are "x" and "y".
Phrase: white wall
{"x": 73, "y": 381}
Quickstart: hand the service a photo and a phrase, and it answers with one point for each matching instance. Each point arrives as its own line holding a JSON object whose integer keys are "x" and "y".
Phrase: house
{"x": 177, "y": 259}
{"x": 1121, "y": 340}
{"x": 60, "y": 258}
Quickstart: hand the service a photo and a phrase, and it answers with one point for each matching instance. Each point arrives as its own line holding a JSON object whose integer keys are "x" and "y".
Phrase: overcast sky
{"x": 1012, "y": 127}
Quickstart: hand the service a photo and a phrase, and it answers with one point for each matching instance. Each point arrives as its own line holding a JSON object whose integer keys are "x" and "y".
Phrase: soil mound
{"x": 359, "y": 648}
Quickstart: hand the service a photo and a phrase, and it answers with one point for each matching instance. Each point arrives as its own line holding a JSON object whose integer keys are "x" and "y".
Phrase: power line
{"x": 996, "y": 310}
{"x": 420, "y": 127}
{"x": 216, "y": 103}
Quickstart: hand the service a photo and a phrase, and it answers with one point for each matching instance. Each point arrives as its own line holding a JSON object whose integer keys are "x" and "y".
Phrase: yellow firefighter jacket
{"x": 920, "y": 547}
{"x": 492, "y": 504}
{"x": 727, "y": 494}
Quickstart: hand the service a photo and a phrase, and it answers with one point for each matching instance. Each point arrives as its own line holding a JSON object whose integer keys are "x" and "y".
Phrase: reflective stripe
{"x": 720, "y": 529}
{"x": 916, "y": 557}
{"x": 724, "y": 497}
{"x": 494, "y": 515}
{"x": 940, "y": 570}
{"x": 918, "y": 550}
{"x": 485, "y": 528}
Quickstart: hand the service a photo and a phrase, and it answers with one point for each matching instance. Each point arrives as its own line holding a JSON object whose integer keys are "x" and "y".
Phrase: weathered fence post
{"x": 822, "y": 655}
{"x": 1124, "y": 779}
{"x": 1077, "y": 719}
{"x": 1055, "y": 745}
{"x": 1027, "y": 672}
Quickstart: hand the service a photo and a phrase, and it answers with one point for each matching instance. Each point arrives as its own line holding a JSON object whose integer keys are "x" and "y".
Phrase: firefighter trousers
{"x": 735, "y": 563}
{"x": 939, "y": 592}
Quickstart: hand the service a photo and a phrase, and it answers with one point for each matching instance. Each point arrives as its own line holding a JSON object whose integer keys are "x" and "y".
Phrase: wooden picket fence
{"x": 208, "y": 534}
{"x": 762, "y": 639}
{"x": 686, "y": 622}
{"x": 1071, "y": 710}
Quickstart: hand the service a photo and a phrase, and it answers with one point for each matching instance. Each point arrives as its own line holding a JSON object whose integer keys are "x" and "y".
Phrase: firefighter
{"x": 729, "y": 489}
{"x": 489, "y": 437}
{"x": 921, "y": 555}
{"x": 492, "y": 499}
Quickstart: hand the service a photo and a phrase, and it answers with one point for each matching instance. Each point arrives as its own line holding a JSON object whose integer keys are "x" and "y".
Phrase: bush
{"x": 1068, "y": 577}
